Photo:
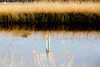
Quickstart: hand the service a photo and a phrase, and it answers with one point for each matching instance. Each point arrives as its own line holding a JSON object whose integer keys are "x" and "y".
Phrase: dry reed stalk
{"x": 10, "y": 43}
{"x": 4, "y": 62}
{"x": 67, "y": 53}
{"x": 70, "y": 63}
{"x": 12, "y": 61}
{"x": 0, "y": 54}
{"x": 38, "y": 60}
{"x": 92, "y": 64}
{"x": 21, "y": 62}
{"x": 33, "y": 52}
{"x": 50, "y": 52}
{"x": 62, "y": 65}
{"x": 30, "y": 64}
{"x": 53, "y": 61}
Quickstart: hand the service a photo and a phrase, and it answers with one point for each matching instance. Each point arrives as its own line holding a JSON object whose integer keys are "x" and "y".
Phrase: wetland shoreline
{"x": 51, "y": 16}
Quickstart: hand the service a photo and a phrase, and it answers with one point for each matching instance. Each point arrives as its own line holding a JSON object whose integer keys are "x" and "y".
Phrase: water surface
{"x": 16, "y": 48}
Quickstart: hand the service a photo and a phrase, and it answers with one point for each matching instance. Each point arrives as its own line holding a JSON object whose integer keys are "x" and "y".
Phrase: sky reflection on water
{"x": 83, "y": 47}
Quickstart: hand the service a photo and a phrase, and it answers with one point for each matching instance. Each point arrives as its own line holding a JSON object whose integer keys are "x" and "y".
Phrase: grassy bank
{"x": 52, "y": 15}
{"x": 50, "y": 12}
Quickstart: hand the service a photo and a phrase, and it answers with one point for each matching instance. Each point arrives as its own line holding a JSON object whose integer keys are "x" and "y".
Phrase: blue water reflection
{"x": 83, "y": 48}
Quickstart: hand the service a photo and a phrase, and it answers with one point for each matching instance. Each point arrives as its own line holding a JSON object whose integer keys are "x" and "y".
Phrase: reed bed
{"x": 39, "y": 62}
{"x": 50, "y": 7}
{"x": 50, "y": 15}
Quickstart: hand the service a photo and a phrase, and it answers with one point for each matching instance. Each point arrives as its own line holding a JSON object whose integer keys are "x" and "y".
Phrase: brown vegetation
{"x": 49, "y": 7}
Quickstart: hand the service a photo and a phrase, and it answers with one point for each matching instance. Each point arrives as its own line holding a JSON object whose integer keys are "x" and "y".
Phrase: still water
{"x": 67, "y": 49}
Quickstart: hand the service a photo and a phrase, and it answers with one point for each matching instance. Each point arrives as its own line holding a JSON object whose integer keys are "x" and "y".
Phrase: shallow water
{"x": 16, "y": 49}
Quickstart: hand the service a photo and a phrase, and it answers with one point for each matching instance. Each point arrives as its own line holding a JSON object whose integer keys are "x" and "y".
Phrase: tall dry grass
{"x": 59, "y": 12}
{"x": 49, "y": 7}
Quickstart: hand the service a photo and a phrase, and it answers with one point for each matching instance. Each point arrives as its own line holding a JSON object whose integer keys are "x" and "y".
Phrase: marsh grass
{"x": 50, "y": 16}
{"x": 59, "y": 12}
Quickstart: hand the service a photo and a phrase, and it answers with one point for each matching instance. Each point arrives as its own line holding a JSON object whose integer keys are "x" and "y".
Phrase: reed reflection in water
{"x": 25, "y": 48}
